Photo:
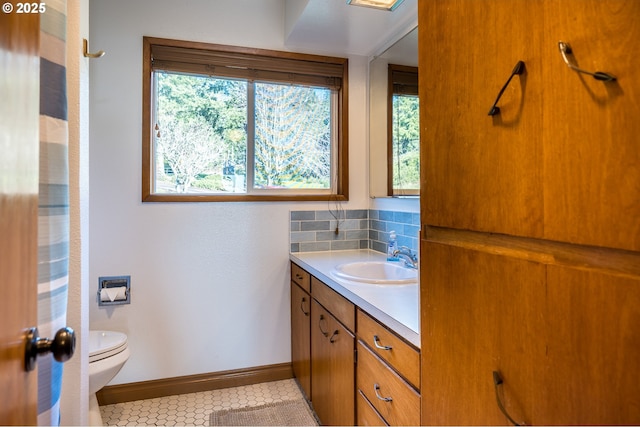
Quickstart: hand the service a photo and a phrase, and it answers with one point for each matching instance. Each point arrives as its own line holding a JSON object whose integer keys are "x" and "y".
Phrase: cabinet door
{"x": 301, "y": 337}
{"x": 481, "y": 172}
{"x": 486, "y": 317}
{"x": 592, "y": 369}
{"x": 591, "y": 128}
{"x": 333, "y": 369}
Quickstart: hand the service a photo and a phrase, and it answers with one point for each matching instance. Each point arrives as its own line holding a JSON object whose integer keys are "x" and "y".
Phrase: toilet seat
{"x": 103, "y": 344}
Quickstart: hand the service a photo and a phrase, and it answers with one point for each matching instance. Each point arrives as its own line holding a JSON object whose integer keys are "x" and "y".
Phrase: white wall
{"x": 74, "y": 399}
{"x": 209, "y": 281}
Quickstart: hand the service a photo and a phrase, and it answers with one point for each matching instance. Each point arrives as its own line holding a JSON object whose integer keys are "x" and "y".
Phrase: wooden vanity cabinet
{"x": 301, "y": 337}
{"x": 366, "y": 414}
{"x": 388, "y": 374}
{"x": 323, "y": 347}
{"x": 301, "y": 327}
{"x": 348, "y": 379}
{"x": 393, "y": 398}
{"x": 332, "y": 368}
{"x": 332, "y": 355}
{"x": 301, "y": 277}
{"x": 397, "y": 353}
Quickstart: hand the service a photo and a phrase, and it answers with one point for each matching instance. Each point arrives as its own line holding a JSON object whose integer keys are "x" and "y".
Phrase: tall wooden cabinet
{"x": 561, "y": 158}
{"x": 530, "y": 252}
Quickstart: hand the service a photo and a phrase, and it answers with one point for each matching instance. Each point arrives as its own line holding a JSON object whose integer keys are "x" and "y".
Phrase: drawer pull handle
{"x": 326, "y": 334}
{"x": 517, "y": 70}
{"x": 381, "y": 347}
{"x": 376, "y": 389}
{"x": 565, "y": 50}
{"x": 298, "y": 276}
{"x": 497, "y": 381}
{"x": 332, "y": 340}
{"x": 302, "y": 301}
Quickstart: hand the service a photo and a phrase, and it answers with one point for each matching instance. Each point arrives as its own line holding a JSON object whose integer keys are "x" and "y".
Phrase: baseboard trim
{"x": 193, "y": 383}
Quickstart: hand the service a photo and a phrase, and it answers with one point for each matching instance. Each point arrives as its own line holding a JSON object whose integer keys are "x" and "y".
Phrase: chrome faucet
{"x": 409, "y": 257}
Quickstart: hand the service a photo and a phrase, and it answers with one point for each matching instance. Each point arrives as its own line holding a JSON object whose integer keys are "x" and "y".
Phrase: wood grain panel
{"x": 333, "y": 368}
{"x": 481, "y": 172}
{"x": 19, "y": 107}
{"x": 610, "y": 261}
{"x": 401, "y": 356}
{"x": 339, "y": 306}
{"x": 486, "y": 317}
{"x": 301, "y": 277}
{"x": 593, "y": 351}
{"x": 301, "y": 337}
{"x": 590, "y": 128}
{"x": 366, "y": 414}
{"x": 404, "y": 406}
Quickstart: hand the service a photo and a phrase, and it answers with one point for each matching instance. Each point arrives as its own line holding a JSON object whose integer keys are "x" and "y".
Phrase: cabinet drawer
{"x": 366, "y": 414}
{"x": 301, "y": 277}
{"x": 401, "y": 356}
{"x": 335, "y": 303}
{"x": 377, "y": 381}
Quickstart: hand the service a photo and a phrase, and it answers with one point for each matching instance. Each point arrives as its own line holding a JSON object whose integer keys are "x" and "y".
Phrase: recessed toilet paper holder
{"x": 114, "y": 290}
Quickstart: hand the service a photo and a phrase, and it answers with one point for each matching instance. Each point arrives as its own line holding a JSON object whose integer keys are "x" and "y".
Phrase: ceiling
{"x": 335, "y": 28}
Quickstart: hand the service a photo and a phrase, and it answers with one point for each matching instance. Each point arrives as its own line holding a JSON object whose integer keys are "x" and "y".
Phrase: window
{"x": 223, "y": 123}
{"x": 403, "y": 131}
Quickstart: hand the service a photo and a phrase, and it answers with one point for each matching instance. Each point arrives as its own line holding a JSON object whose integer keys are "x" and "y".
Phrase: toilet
{"x": 108, "y": 352}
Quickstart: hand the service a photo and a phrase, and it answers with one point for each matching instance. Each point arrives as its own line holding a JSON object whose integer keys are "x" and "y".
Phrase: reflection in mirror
{"x": 402, "y": 53}
{"x": 403, "y": 127}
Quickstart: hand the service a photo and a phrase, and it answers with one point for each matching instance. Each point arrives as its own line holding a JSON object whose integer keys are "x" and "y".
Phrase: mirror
{"x": 404, "y": 52}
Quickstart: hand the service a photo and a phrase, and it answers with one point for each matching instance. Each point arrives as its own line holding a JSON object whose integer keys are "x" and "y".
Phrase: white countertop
{"x": 396, "y": 306}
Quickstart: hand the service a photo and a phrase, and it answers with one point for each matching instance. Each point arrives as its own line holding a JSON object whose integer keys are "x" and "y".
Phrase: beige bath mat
{"x": 287, "y": 413}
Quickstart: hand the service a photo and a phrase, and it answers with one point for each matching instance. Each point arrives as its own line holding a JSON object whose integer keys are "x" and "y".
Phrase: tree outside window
{"x": 221, "y": 130}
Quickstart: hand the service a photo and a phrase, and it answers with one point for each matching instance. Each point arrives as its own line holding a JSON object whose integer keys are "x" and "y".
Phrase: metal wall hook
{"x": 85, "y": 51}
{"x": 565, "y": 50}
{"x": 518, "y": 69}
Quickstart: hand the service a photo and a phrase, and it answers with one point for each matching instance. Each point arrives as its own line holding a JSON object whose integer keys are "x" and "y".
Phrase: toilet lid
{"x": 103, "y": 344}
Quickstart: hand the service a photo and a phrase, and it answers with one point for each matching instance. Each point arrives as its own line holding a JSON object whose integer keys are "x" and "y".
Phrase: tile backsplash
{"x": 312, "y": 231}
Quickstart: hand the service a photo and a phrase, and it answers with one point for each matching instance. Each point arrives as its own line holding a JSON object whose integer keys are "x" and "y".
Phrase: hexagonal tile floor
{"x": 194, "y": 408}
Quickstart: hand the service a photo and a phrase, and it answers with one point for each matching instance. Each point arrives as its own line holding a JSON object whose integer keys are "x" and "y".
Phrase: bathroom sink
{"x": 377, "y": 272}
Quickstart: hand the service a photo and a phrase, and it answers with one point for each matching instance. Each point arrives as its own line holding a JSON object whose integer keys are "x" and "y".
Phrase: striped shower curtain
{"x": 53, "y": 206}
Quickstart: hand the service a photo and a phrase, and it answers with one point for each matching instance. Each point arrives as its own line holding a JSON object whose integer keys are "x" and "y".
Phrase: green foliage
{"x": 210, "y": 182}
{"x": 406, "y": 142}
{"x": 202, "y": 125}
